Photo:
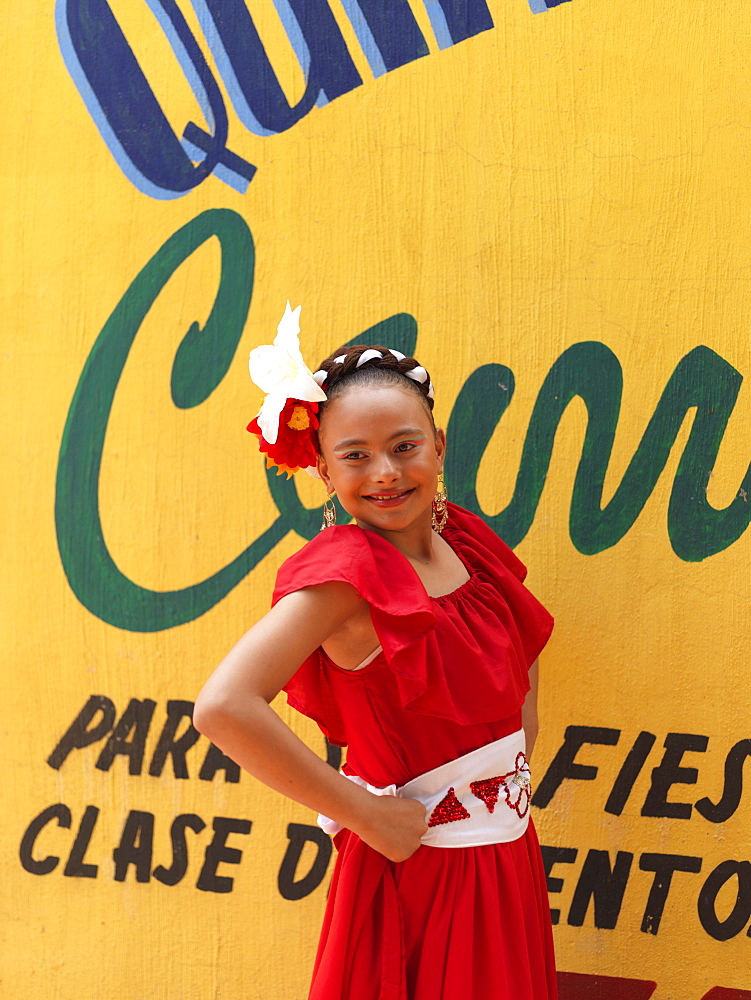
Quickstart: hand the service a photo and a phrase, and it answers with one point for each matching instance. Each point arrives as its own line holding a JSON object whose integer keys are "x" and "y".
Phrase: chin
{"x": 392, "y": 521}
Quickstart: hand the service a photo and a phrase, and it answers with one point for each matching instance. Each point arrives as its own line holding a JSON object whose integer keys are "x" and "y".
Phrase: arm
{"x": 529, "y": 710}
{"x": 233, "y": 711}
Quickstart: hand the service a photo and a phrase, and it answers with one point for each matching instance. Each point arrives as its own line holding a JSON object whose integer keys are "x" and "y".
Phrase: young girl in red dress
{"x": 409, "y": 637}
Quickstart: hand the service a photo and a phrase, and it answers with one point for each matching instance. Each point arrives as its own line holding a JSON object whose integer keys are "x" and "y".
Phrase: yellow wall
{"x": 564, "y": 194}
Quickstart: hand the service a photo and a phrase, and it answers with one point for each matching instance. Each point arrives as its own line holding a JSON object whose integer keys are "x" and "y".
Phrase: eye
{"x": 352, "y": 455}
{"x": 405, "y": 446}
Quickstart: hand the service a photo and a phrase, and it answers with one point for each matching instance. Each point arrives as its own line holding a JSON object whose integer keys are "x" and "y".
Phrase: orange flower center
{"x": 300, "y": 419}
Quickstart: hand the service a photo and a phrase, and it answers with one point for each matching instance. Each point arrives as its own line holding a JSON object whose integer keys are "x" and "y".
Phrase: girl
{"x": 409, "y": 637}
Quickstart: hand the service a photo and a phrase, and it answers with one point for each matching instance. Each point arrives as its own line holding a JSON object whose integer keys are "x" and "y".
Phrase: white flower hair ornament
{"x": 287, "y": 421}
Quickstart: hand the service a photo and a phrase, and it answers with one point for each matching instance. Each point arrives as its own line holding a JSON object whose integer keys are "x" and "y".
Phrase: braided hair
{"x": 360, "y": 364}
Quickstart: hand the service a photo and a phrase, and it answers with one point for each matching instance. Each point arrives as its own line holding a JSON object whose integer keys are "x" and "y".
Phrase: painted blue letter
{"x": 254, "y": 89}
{"x": 124, "y": 106}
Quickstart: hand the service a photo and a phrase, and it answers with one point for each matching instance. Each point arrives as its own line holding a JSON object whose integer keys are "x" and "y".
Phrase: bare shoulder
{"x": 269, "y": 653}
{"x": 353, "y": 641}
{"x": 323, "y": 605}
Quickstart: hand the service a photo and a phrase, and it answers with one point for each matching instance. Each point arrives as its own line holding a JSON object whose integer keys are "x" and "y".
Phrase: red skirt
{"x": 448, "y": 923}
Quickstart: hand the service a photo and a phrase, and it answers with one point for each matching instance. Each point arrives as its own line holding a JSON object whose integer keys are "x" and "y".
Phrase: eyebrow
{"x": 406, "y": 432}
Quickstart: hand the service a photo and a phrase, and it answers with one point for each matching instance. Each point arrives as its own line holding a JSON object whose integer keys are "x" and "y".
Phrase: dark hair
{"x": 345, "y": 369}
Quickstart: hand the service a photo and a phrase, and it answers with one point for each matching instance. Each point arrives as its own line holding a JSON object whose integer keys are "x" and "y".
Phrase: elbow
{"x": 219, "y": 712}
{"x": 210, "y": 715}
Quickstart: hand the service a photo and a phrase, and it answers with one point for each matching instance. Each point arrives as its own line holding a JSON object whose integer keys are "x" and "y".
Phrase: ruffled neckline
{"x": 453, "y": 537}
{"x": 489, "y": 621}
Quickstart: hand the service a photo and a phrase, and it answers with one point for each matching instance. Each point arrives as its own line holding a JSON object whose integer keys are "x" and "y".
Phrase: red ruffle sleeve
{"x": 463, "y": 657}
{"x": 478, "y": 546}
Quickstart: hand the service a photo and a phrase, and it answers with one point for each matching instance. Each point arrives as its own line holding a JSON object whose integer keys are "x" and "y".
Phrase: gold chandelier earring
{"x": 329, "y": 512}
{"x": 440, "y": 510}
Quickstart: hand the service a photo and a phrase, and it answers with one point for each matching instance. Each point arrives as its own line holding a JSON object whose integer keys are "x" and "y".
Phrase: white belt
{"x": 480, "y": 798}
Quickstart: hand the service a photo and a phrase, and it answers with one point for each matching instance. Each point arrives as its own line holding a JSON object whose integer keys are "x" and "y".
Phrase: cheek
{"x": 430, "y": 464}
{"x": 342, "y": 476}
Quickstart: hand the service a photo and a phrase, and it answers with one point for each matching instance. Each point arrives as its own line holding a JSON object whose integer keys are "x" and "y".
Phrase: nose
{"x": 385, "y": 469}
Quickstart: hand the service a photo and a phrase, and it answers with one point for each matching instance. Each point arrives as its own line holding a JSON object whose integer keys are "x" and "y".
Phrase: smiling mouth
{"x": 388, "y": 499}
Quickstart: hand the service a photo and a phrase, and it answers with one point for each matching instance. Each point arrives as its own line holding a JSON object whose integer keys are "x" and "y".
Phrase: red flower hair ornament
{"x": 287, "y": 421}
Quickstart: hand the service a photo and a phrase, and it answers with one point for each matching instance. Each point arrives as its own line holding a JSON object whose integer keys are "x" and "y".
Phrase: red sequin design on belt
{"x": 517, "y": 789}
{"x": 488, "y": 790}
{"x": 448, "y": 810}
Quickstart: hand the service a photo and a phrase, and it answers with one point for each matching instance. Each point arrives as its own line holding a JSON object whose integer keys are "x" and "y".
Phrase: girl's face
{"x": 382, "y": 455}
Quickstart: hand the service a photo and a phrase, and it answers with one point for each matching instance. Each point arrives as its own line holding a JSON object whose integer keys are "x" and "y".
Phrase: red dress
{"x": 469, "y": 923}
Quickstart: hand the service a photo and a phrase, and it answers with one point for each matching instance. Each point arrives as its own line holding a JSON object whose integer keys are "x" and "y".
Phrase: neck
{"x": 415, "y": 542}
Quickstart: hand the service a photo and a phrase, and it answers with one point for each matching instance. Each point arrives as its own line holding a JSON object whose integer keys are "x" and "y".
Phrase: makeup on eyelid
{"x": 342, "y": 452}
